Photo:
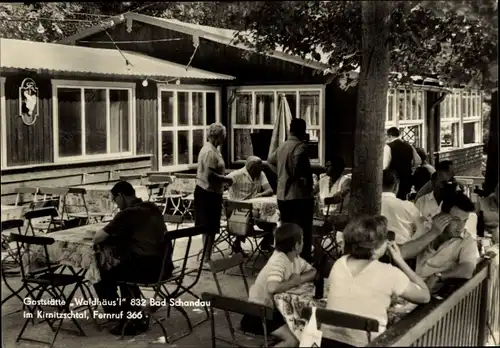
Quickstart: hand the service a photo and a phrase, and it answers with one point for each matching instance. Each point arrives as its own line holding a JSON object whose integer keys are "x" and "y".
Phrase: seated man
{"x": 444, "y": 172}
{"x": 284, "y": 270}
{"x": 334, "y": 185}
{"x": 249, "y": 182}
{"x": 403, "y": 217}
{"x": 137, "y": 237}
{"x": 447, "y": 250}
{"x": 454, "y": 254}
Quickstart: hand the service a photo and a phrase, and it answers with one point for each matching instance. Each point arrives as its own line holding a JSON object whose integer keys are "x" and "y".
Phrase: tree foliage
{"x": 52, "y": 21}
{"x": 455, "y": 41}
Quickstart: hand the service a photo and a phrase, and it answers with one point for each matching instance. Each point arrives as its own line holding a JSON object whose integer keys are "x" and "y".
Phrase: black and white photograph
{"x": 249, "y": 173}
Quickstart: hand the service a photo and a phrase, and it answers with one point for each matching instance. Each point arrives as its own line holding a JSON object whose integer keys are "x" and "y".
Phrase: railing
{"x": 461, "y": 319}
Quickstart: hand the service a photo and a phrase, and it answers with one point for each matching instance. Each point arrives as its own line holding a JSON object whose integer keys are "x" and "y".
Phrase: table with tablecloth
{"x": 74, "y": 247}
{"x": 99, "y": 199}
{"x": 291, "y": 303}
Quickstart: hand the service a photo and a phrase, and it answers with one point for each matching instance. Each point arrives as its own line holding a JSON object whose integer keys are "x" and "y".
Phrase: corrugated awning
{"x": 20, "y": 54}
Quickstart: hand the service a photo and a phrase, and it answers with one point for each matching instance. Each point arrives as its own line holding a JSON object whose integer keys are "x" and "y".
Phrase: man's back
{"x": 401, "y": 158}
{"x": 294, "y": 171}
{"x": 138, "y": 230}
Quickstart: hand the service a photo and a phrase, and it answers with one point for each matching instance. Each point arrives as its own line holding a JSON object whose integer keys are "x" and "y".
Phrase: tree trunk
{"x": 491, "y": 177}
{"x": 366, "y": 184}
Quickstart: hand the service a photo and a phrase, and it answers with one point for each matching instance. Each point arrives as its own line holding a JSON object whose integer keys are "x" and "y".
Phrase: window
{"x": 253, "y": 116}
{"x": 406, "y": 111}
{"x": 450, "y": 122}
{"x": 183, "y": 117}
{"x": 92, "y": 119}
{"x": 460, "y": 119}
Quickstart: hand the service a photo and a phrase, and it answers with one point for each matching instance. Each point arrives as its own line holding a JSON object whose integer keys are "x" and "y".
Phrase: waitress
{"x": 210, "y": 181}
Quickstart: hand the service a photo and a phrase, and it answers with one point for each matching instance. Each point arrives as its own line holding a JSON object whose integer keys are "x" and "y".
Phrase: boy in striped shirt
{"x": 284, "y": 270}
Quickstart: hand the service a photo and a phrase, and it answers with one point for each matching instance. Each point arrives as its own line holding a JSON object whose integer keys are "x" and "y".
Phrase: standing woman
{"x": 210, "y": 180}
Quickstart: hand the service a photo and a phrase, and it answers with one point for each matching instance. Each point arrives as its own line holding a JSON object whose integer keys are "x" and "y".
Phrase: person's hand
{"x": 395, "y": 253}
{"x": 441, "y": 221}
{"x": 432, "y": 281}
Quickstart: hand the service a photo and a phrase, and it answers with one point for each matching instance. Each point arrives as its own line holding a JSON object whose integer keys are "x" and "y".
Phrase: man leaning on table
{"x": 136, "y": 236}
{"x": 247, "y": 183}
{"x": 295, "y": 182}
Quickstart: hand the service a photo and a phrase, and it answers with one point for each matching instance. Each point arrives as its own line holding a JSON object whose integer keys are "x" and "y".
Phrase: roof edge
{"x": 71, "y": 40}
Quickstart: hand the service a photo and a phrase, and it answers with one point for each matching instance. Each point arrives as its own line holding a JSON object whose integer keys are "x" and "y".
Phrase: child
{"x": 284, "y": 270}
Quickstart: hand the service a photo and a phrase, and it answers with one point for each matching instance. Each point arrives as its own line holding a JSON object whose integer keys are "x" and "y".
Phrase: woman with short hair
{"x": 362, "y": 285}
{"x": 210, "y": 180}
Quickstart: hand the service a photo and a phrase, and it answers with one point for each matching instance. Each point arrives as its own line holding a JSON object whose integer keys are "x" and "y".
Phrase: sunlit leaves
{"x": 452, "y": 40}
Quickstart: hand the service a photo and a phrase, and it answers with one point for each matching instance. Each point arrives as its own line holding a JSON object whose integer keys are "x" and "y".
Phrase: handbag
{"x": 240, "y": 223}
{"x": 311, "y": 336}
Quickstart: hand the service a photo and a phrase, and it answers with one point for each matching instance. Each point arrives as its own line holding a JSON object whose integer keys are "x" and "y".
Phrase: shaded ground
{"x": 232, "y": 285}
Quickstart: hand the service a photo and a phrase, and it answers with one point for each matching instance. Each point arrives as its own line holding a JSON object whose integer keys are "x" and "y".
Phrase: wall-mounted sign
{"x": 28, "y": 101}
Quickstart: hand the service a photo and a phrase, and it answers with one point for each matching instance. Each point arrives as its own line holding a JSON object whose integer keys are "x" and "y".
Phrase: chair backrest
{"x": 230, "y": 206}
{"x": 185, "y": 176}
{"x": 21, "y": 191}
{"x": 23, "y": 243}
{"x": 56, "y": 195}
{"x": 72, "y": 206}
{"x": 341, "y": 319}
{"x": 11, "y": 224}
{"x": 222, "y": 265}
{"x": 239, "y": 306}
{"x": 50, "y": 212}
{"x": 186, "y": 233}
{"x": 157, "y": 190}
{"x": 167, "y": 179}
{"x": 173, "y": 219}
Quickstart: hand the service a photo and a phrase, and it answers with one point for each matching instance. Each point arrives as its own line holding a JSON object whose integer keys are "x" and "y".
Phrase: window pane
{"x": 211, "y": 108}
{"x": 261, "y": 140}
{"x": 410, "y": 106}
{"x": 309, "y": 108}
{"x": 412, "y": 135}
{"x": 449, "y": 134}
{"x": 167, "y": 108}
{"x": 265, "y": 107}
{"x": 183, "y": 108}
{"x": 243, "y": 108}
{"x": 242, "y": 144}
{"x": 95, "y": 121}
{"x": 119, "y": 120}
{"x": 183, "y": 147}
{"x": 401, "y": 105}
{"x": 198, "y": 142}
{"x": 69, "y": 105}
{"x": 167, "y": 148}
{"x": 197, "y": 101}
{"x": 292, "y": 102}
{"x": 470, "y": 132}
{"x": 390, "y": 101}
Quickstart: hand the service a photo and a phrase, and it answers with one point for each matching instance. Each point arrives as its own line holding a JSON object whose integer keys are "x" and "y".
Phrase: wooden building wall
{"x": 28, "y": 144}
{"x": 30, "y": 148}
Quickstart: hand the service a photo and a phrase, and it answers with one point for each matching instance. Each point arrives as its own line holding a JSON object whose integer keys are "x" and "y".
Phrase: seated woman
{"x": 362, "y": 285}
{"x": 487, "y": 211}
{"x": 334, "y": 185}
{"x": 284, "y": 270}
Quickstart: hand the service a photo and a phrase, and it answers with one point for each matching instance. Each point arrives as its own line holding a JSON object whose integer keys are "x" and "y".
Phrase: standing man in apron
{"x": 400, "y": 157}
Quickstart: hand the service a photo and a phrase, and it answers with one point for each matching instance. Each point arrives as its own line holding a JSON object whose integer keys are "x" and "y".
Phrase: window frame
{"x": 455, "y": 101}
{"x": 175, "y": 128}
{"x": 276, "y": 90}
{"x": 393, "y": 101}
{"x": 3, "y": 123}
{"x": 82, "y": 85}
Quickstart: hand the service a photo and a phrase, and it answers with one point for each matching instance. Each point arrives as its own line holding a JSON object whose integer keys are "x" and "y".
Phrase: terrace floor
{"x": 232, "y": 285}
